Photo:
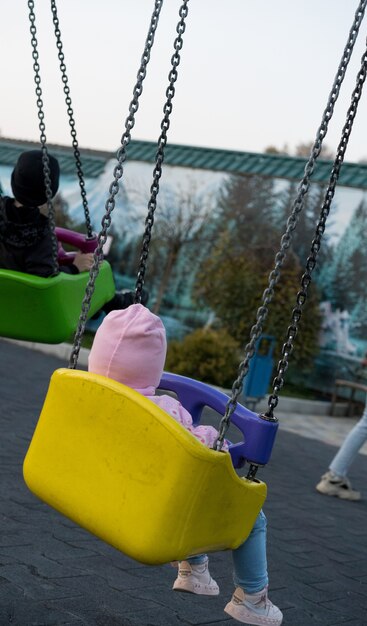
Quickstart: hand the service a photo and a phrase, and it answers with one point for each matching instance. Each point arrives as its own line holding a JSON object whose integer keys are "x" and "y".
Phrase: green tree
{"x": 233, "y": 286}
{"x": 305, "y": 229}
{"x": 358, "y": 320}
{"x": 246, "y": 214}
{"x": 234, "y": 276}
{"x": 345, "y": 278}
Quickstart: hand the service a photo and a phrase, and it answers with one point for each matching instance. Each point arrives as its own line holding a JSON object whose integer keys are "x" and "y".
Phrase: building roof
{"x": 93, "y": 161}
{"x": 230, "y": 161}
{"x": 269, "y": 165}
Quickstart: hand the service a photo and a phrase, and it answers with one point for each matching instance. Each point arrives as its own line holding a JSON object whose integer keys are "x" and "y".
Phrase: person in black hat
{"x": 25, "y": 235}
{"x": 27, "y": 179}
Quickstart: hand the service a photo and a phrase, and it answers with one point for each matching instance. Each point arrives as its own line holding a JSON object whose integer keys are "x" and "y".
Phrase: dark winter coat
{"x": 26, "y": 241}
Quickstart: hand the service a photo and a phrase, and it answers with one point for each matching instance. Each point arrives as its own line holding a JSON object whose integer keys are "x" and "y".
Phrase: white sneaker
{"x": 333, "y": 485}
{"x": 195, "y": 579}
{"x": 254, "y": 608}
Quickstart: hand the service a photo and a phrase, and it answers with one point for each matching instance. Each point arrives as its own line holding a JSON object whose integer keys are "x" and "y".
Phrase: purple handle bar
{"x": 258, "y": 432}
{"x": 78, "y": 240}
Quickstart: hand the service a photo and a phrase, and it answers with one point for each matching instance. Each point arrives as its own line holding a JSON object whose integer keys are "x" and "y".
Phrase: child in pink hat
{"x": 130, "y": 347}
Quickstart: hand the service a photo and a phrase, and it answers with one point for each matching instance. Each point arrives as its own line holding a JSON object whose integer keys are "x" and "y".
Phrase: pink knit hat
{"x": 130, "y": 347}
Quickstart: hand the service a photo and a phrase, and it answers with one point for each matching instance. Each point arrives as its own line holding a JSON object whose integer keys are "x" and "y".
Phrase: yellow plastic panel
{"x": 119, "y": 466}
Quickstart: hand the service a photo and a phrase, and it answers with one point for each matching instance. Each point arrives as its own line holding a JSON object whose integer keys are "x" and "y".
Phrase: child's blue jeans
{"x": 249, "y": 559}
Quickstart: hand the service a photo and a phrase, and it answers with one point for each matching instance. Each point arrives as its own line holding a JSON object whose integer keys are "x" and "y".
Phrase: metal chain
{"x": 42, "y": 127}
{"x": 70, "y": 112}
{"x": 316, "y": 242}
{"x": 285, "y": 242}
{"x": 114, "y": 187}
{"x": 162, "y": 141}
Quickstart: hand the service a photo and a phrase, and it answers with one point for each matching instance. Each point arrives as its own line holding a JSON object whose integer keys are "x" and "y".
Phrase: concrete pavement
{"x": 53, "y": 573}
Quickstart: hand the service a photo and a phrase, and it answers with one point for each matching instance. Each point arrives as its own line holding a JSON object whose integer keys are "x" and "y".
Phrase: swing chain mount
{"x": 252, "y": 471}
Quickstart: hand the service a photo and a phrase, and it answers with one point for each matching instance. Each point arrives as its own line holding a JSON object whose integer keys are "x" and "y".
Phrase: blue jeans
{"x": 350, "y": 447}
{"x": 250, "y": 569}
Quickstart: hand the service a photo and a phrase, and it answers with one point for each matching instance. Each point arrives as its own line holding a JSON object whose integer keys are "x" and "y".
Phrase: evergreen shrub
{"x": 211, "y": 356}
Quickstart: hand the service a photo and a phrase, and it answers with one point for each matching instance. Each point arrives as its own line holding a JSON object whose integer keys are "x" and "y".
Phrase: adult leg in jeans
{"x": 349, "y": 449}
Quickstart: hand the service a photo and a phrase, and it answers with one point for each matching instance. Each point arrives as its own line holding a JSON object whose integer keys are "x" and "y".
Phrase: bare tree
{"x": 184, "y": 220}
{"x": 304, "y": 150}
{"x": 301, "y": 150}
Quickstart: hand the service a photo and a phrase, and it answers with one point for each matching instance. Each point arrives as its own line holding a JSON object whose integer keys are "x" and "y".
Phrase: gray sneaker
{"x": 255, "y": 609}
{"x": 195, "y": 579}
{"x": 333, "y": 485}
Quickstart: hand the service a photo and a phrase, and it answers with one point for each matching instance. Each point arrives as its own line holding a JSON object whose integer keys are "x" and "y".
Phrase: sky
{"x": 252, "y": 74}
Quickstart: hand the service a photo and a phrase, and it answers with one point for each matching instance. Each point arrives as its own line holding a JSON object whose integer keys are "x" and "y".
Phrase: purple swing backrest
{"x": 77, "y": 240}
{"x": 258, "y": 432}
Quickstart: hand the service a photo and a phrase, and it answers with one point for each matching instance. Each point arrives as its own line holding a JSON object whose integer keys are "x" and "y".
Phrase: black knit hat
{"x": 28, "y": 180}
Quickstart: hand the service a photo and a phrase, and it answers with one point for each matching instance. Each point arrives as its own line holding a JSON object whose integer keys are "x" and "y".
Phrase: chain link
{"x": 316, "y": 242}
{"x": 42, "y": 127}
{"x": 162, "y": 141}
{"x": 285, "y": 242}
{"x": 70, "y": 112}
{"x": 114, "y": 187}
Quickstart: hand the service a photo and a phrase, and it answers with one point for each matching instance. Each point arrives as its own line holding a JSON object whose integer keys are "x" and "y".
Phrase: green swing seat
{"x": 47, "y": 310}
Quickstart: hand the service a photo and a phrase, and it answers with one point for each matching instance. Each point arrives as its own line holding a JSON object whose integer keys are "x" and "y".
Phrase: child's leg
{"x": 198, "y": 559}
{"x": 249, "y": 559}
{"x": 250, "y": 603}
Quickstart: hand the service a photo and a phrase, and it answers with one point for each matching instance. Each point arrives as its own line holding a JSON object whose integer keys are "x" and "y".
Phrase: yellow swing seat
{"x": 47, "y": 310}
{"x": 112, "y": 461}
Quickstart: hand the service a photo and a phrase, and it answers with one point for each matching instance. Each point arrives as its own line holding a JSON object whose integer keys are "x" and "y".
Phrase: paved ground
{"x": 53, "y": 573}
